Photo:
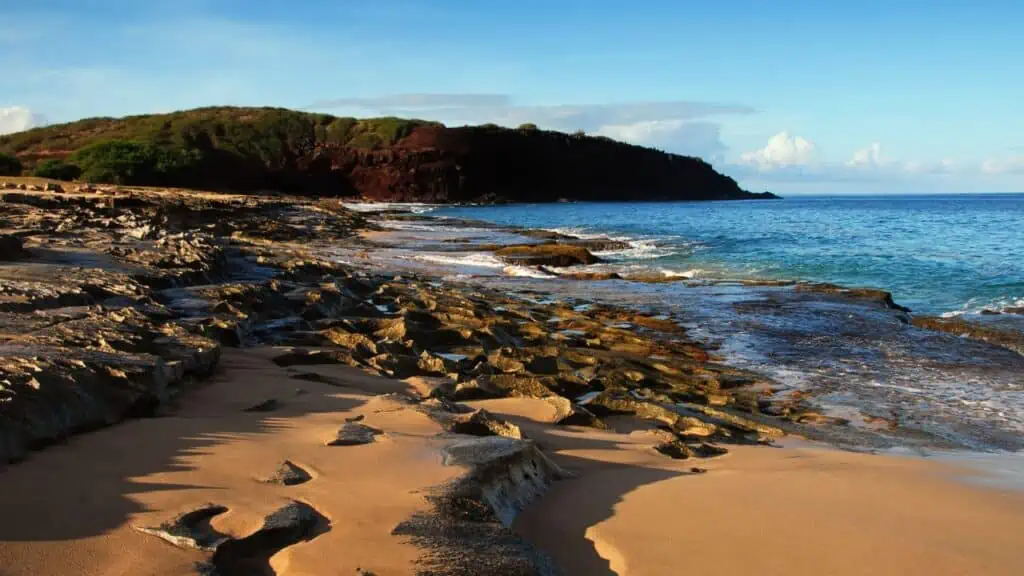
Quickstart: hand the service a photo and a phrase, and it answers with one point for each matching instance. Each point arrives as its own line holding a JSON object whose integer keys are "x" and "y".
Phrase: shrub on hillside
{"x": 133, "y": 163}
{"x": 528, "y": 127}
{"x": 9, "y": 165}
{"x": 56, "y": 170}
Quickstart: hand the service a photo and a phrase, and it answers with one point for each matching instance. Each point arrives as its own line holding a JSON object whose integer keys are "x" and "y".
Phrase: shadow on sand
{"x": 90, "y": 485}
{"x": 85, "y": 487}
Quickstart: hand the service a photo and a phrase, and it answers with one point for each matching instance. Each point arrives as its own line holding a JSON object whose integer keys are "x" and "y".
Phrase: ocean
{"x": 898, "y": 385}
{"x": 946, "y": 254}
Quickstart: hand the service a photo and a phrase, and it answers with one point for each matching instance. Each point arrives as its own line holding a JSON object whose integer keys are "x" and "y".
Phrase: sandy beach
{"x": 789, "y": 510}
{"x": 71, "y": 509}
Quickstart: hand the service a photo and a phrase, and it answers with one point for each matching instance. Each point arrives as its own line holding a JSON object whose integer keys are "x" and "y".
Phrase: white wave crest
{"x": 691, "y": 273}
{"x": 526, "y": 272}
{"x": 977, "y": 306}
{"x": 407, "y": 226}
{"x": 474, "y": 259}
{"x": 414, "y": 207}
{"x": 639, "y": 248}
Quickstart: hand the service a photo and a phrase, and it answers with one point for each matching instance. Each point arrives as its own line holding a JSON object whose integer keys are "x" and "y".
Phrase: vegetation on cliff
{"x": 250, "y": 149}
{"x": 9, "y": 165}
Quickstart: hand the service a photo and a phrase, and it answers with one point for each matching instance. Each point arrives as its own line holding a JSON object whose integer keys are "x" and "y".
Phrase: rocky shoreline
{"x": 116, "y": 302}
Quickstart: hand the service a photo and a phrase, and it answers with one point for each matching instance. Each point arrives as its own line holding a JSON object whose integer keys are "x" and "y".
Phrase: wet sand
{"x": 758, "y": 510}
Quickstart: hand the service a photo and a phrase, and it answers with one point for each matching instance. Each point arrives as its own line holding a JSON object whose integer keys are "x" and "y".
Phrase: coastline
{"x": 296, "y": 334}
{"x": 859, "y": 356}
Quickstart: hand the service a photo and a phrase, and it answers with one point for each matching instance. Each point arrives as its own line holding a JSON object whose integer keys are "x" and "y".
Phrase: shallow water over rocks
{"x": 855, "y": 358}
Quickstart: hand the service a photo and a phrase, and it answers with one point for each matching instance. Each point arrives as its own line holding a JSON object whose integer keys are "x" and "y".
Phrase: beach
{"x": 285, "y": 394}
{"x": 789, "y": 510}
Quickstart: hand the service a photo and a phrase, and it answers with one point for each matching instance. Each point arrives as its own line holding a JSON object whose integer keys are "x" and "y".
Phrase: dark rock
{"x": 319, "y": 378}
{"x": 358, "y": 344}
{"x": 355, "y": 434}
{"x": 675, "y": 450}
{"x": 431, "y": 364}
{"x": 547, "y": 365}
{"x": 270, "y": 405}
{"x": 867, "y": 294}
{"x": 580, "y": 416}
{"x": 1010, "y": 339}
{"x": 554, "y": 255}
{"x": 502, "y": 385}
{"x": 395, "y": 366}
{"x": 11, "y": 248}
{"x": 296, "y": 522}
{"x": 599, "y": 244}
{"x": 88, "y": 372}
{"x": 706, "y": 450}
{"x": 191, "y": 529}
{"x": 466, "y": 531}
{"x": 289, "y": 474}
{"x": 314, "y": 358}
{"x": 505, "y": 364}
{"x": 483, "y": 423}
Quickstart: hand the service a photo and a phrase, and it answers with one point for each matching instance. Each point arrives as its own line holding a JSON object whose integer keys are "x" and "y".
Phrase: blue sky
{"x": 868, "y": 96}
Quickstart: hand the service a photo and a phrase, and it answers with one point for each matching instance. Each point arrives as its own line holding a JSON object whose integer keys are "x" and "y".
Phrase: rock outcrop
{"x": 554, "y": 255}
{"x": 467, "y": 531}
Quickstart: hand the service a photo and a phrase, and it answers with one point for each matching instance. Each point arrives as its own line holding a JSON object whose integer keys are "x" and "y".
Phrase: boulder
{"x": 501, "y": 385}
{"x": 483, "y": 423}
{"x": 359, "y": 345}
{"x": 288, "y": 474}
{"x": 355, "y": 434}
{"x": 554, "y": 255}
{"x": 191, "y": 529}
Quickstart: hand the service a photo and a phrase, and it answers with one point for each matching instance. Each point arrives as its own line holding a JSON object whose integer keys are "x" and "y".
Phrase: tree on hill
{"x": 56, "y": 170}
{"x": 9, "y": 165}
{"x": 528, "y": 127}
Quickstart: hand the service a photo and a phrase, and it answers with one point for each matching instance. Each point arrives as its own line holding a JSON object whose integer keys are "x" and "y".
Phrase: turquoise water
{"x": 936, "y": 254}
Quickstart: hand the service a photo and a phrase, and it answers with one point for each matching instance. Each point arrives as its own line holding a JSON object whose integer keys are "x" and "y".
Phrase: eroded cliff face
{"x": 491, "y": 164}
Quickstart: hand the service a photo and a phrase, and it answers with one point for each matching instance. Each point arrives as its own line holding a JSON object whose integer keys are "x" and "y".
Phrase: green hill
{"x": 249, "y": 149}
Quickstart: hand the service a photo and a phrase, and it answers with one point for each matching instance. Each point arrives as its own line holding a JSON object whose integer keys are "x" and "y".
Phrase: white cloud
{"x": 781, "y": 151}
{"x": 18, "y": 118}
{"x": 501, "y": 109}
{"x": 701, "y": 139}
{"x": 1009, "y": 165}
{"x": 870, "y": 157}
{"x": 790, "y": 159}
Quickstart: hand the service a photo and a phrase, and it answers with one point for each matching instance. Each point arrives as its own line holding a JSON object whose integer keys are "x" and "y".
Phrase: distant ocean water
{"x": 937, "y": 254}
